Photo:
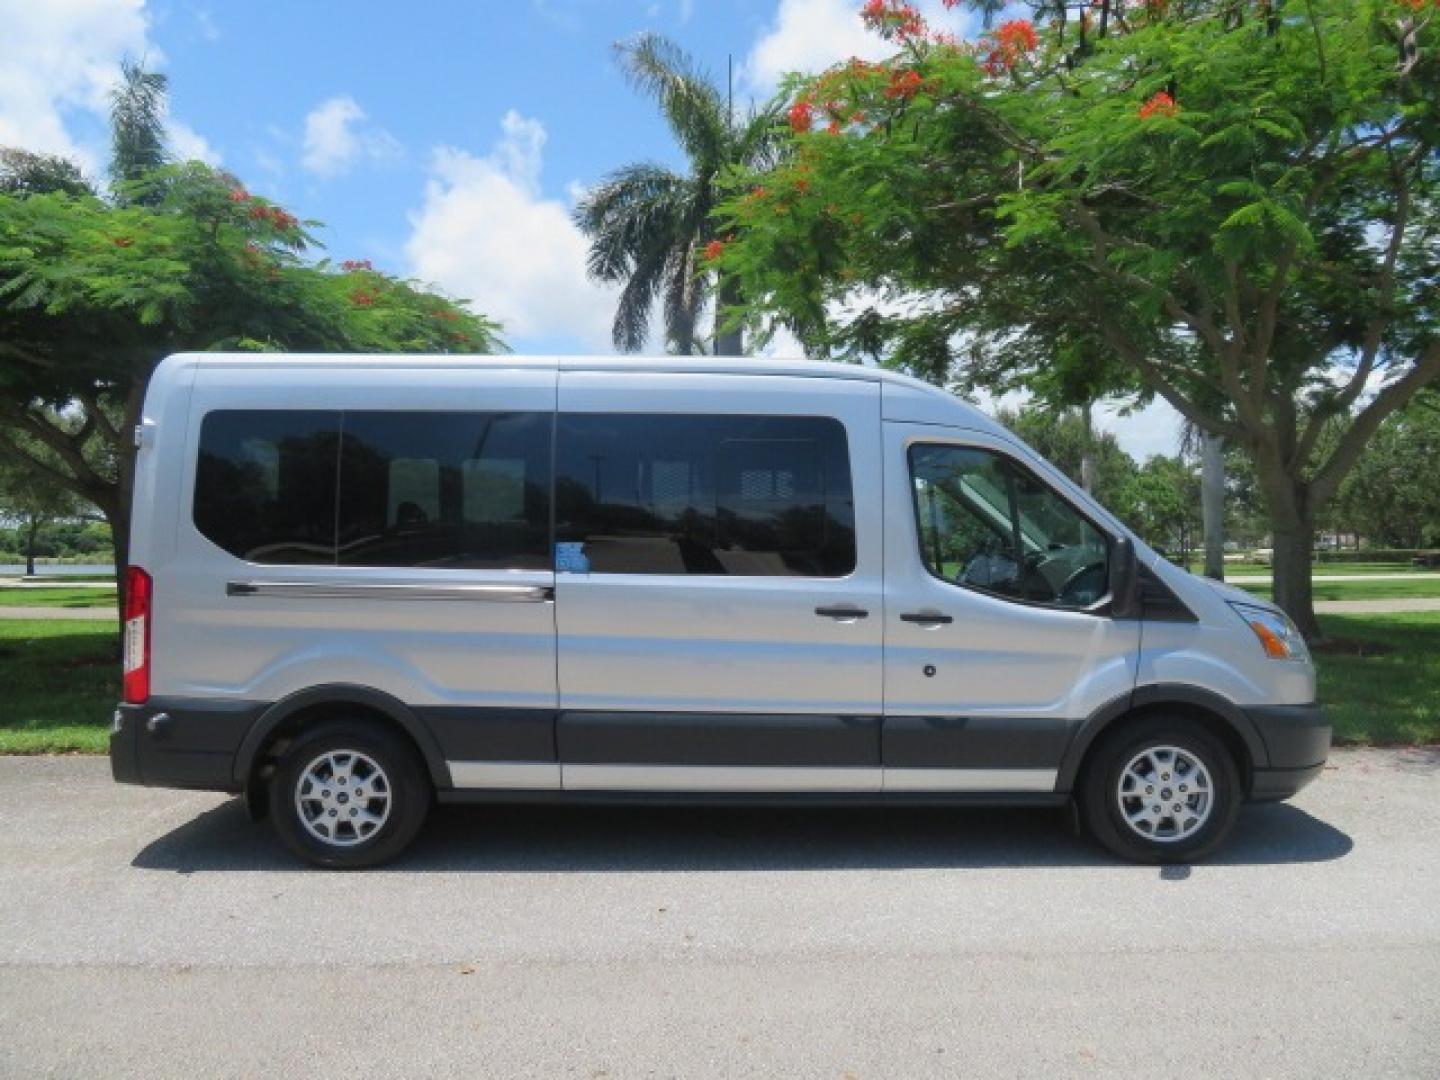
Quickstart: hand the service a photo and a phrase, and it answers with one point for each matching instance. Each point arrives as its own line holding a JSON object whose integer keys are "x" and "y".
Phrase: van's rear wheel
{"x": 348, "y": 794}
{"x": 1161, "y": 790}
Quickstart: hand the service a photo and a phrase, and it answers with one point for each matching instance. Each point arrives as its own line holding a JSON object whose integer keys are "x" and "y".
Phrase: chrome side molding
{"x": 555, "y": 776}
{"x": 341, "y": 590}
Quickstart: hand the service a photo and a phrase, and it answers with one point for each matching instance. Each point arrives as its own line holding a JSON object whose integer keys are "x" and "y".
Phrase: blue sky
{"x": 446, "y": 140}
{"x": 431, "y": 75}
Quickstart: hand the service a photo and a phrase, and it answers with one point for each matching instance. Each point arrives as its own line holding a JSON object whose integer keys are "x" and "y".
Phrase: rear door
{"x": 998, "y": 638}
{"x": 718, "y": 585}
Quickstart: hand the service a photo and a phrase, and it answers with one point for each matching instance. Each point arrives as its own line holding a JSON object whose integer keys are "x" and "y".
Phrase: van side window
{"x": 691, "y": 494}
{"x": 414, "y": 489}
{"x": 987, "y": 523}
{"x": 265, "y": 484}
{"x": 450, "y": 490}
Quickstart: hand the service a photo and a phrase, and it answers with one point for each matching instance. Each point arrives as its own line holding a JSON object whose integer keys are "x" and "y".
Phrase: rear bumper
{"x": 1272, "y": 785}
{"x": 174, "y": 744}
{"x": 1297, "y": 741}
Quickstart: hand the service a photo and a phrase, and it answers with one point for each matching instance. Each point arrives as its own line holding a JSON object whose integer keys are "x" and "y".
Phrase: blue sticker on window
{"x": 570, "y": 558}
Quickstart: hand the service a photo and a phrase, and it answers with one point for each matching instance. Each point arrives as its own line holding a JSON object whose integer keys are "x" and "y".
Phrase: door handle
{"x": 842, "y": 611}
{"x": 926, "y": 618}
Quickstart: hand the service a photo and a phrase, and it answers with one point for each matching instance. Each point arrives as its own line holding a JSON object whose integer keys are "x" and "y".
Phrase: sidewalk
{"x": 75, "y": 613}
{"x": 1418, "y": 575}
{"x": 1393, "y": 606}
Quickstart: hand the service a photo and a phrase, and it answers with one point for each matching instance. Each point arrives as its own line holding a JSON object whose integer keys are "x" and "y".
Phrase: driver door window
{"x": 986, "y": 523}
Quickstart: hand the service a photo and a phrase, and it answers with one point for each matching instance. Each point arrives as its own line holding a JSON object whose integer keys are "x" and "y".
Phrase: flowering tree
{"x": 95, "y": 292}
{"x": 1232, "y": 204}
{"x": 92, "y": 296}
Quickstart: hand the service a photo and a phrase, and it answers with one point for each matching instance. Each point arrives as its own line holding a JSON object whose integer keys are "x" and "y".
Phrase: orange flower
{"x": 904, "y": 84}
{"x": 713, "y": 250}
{"x": 801, "y": 114}
{"x": 1013, "y": 40}
{"x": 1162, "y": 104}
{"x": 893, "y": 19}
{"x": 1018, "y": 35}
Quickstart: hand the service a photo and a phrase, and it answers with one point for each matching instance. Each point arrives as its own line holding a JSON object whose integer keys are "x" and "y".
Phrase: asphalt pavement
{"x": 159, "y": 933}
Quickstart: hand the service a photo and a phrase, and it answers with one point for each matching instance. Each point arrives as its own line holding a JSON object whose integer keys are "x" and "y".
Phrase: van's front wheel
{"x": 348, "y": 794}
{"x": 1161, "y": 790}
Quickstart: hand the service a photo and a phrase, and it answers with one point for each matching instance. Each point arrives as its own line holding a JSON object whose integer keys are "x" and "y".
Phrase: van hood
{"x": 1237, "y": 595}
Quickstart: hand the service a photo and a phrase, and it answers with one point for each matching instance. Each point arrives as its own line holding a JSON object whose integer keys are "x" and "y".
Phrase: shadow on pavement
{"x": 601, "y": 839}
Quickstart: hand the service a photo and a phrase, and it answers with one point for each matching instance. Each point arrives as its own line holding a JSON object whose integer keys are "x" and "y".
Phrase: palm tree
{"x": 137, "y": 132}
{"x": 648, "y": 225}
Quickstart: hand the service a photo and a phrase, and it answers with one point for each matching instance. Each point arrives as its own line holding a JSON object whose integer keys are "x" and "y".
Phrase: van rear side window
{"x": 265, "y": 484}
{"x": 759, "y": 496}
{"x": 395, "y": 489}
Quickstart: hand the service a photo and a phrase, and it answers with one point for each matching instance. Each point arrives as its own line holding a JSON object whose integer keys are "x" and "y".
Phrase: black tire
{"x": 1099, "y": 791}
{"x": 409, "y": 795}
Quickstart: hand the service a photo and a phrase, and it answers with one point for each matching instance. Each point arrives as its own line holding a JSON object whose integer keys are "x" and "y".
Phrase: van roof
{"x": 704, "y": 365}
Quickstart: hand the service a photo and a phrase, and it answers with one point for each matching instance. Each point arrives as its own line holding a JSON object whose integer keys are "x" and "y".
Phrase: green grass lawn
{"x": 61, "y": 682}
{"x": 1386, "y": 699}
{"x": 57, "y": 596}
{"x": 1235, "y": 570}
{"x": 1358, "y": 590}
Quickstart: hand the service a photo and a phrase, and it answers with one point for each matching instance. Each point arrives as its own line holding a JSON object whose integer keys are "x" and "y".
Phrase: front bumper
{"x": 1297, "y": 741}
{"x": 175, "y": 744}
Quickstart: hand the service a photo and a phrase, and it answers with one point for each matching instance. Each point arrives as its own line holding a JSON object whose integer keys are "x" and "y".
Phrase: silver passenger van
{"x": 364, "y": 584}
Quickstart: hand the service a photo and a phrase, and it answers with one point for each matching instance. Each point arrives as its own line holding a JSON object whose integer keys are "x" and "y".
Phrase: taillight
{"x": 138, "y": 595}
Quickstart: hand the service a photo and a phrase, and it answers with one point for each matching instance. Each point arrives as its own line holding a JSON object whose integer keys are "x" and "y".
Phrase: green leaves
{"x": 95, "y": 285}
{"x": 1262, "y": 229}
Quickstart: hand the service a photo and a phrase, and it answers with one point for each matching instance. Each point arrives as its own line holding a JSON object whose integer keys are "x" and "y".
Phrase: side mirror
{"x": 1124, "y": 580}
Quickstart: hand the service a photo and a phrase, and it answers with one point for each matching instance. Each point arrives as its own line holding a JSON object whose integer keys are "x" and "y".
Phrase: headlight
{"x": 1278, "y": 635}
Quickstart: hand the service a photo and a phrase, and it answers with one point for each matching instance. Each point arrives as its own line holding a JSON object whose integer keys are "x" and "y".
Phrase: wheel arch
{"x": 318, "y": 703}
{"x": 1226, "y": 720}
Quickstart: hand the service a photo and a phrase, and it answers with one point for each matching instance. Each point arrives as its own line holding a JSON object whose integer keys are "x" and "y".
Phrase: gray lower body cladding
{"x": 196, "y": 743}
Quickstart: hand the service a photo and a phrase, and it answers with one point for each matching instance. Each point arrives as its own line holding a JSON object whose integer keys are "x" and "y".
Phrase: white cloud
{"x": 62, "y": 61}
{"x": 336, "y": 137}
{"x": 564, "y": 14}
{"x": 206, "y": 25}
{"x": 189, "y": 145}
{"x": 1152, "y": 430}
{"x": 1142, "y": 433}
{"x": 811, "y": 35}
{"x": 62, "y": 57}
{"x": 486, "y": 232}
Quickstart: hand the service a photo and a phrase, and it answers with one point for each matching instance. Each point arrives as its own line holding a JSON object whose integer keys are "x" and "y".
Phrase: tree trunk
{"x": 117, "y": 515}
{"x": 1292, "y": 524}
{"x": 1087, "y": 451}
{"x": 117, "y": 508}
{"x": 1294, "y": 541}
{"x": 731, "y": 342}
{"x": 30, "y": 545}
{"x": 1212, "y": 503}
